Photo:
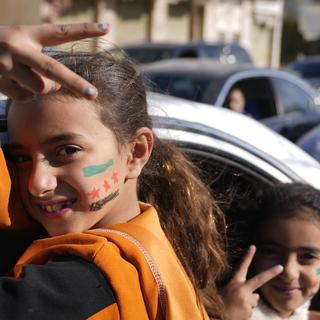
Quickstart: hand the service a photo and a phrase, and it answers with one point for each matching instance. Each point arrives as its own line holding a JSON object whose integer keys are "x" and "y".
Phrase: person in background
{"x": 236, "y": 100}
{"x": 285, "y": 233}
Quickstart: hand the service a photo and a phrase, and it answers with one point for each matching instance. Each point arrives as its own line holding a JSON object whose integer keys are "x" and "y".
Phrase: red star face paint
{"x": 106, "y": 185}
{"x": 315, "y": 284}
{"x": 115, "y": 177}
{"x": 94, "y": 193}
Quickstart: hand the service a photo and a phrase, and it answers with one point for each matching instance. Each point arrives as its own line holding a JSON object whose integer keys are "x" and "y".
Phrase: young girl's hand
{"x": 239, "y": 295}
{"x": 25, "y": 70}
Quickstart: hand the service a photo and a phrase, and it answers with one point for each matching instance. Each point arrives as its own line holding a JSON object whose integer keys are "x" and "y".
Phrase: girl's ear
{"x": 140, "y": 149}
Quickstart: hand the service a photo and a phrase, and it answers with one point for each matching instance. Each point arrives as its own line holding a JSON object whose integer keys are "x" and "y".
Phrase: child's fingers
{"x": 54, "y": 70}
{"x": 255, "y": 299}
{"x": 260, "y": 279}
{"x": 20, "y": 56}
{"x": 29, "y": 79}
{"x": 14, "y": 91}
{"x": 50, "y": 34}
{"x": 241, "y": 274}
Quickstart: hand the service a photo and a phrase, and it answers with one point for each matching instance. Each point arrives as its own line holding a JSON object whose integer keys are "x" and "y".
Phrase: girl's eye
{"x": 308, "y": 257}
{"x": 68, "y": 151}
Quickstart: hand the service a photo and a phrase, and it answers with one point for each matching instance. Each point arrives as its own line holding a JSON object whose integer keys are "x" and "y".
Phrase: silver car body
{"x": 235, "y": 135}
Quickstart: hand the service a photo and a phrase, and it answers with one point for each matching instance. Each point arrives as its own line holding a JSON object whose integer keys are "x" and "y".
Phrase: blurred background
{"x": 260, "y": 58}
{"x": 274, "y": 32}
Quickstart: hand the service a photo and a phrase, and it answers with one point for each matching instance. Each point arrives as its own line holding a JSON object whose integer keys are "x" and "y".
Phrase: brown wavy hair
{"x": 188, "y": 213}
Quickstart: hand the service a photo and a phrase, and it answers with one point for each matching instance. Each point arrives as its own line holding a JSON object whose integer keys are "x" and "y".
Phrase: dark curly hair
{"x": 286, "y": 200}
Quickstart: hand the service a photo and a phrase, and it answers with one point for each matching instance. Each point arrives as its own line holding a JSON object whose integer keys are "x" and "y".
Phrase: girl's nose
{"x": 290, "y": 269}
{"x": 42, "y": 180}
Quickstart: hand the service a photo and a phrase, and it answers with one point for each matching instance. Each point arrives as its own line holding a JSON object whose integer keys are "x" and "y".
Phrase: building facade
{"x": 254, "y": 24}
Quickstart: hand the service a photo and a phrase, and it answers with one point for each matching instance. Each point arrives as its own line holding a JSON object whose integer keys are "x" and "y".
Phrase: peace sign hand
{"x": 239, "y": 295}
{"x": 25, "y": 70}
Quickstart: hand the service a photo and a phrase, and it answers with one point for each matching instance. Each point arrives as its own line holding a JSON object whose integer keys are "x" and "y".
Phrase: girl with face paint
{"x": 285, "y": 229}
{"x": 83, "y": 167}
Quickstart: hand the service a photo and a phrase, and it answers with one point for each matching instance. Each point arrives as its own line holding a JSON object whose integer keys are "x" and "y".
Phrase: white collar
{"x": 264, "y": 312}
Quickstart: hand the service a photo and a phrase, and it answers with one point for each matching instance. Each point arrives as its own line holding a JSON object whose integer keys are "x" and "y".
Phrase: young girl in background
{"x": 82, "y": 166}
{"x": 285, "y": 230}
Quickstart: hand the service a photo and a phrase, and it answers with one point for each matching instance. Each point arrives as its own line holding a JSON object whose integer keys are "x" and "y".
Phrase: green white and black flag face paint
{"x": 100, "y": 192}
{"x": 97, "y": 169}
{"x": 100, "y": 203}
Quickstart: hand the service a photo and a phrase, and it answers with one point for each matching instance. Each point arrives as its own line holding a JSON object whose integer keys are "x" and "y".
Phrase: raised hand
{"x": 25, "y": 70}
{"x": 239, "y": 295}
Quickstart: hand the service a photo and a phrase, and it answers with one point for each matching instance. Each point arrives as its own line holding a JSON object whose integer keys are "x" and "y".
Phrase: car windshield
{"x": 146, "y": 55}
{"x": 196, "y": 88}
{"x": 306, "y": 70}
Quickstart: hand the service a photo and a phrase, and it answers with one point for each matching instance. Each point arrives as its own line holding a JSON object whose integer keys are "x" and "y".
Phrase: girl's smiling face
{"x": 295, "y": 244}
{"x": 72, "y": 171}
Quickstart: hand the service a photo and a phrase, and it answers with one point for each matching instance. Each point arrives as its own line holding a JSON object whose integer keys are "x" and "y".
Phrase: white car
{"x": 221, "y": 138}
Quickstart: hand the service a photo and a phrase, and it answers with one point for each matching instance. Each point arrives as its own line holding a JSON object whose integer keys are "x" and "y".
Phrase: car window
{"x": 179, "y": 85}
{"x": 146, "y": 55}
{"x": 259, "y": 97}
{"x": 290, "y": 97}
{"x": 310, "y": 69}
{"x": 188, "y": 53}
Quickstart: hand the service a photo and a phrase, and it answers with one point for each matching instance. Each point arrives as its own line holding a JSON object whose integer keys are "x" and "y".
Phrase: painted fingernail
{"x": 103, "y": 26}
{"x": 90, "y": 92}
{"x": 278, "y": 268}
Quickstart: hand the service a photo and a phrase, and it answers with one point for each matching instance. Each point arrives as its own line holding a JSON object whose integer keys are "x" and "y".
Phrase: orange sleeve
{"x": 13, "y": 217}
{"x": 5, "y": 186}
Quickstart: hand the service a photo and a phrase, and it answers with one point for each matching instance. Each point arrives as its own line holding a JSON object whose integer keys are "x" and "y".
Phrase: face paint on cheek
{"x": 115, "y": 177}
{"x": 94, "y": 193}
{"x": 106, "y": 185}
{"x": 316, "y": 282}
{"x": 95, "y": 206}
{"x": 314, "y": 287}
{"x": 96, "y": 169}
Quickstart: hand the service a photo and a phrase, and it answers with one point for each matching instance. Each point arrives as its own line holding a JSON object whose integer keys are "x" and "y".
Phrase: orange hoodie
{"x": 146, "y": 276}
{"x": 135, "y": 253}
{"x": 5, "y": 186}
{"x": 9, "y": 219}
